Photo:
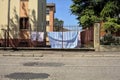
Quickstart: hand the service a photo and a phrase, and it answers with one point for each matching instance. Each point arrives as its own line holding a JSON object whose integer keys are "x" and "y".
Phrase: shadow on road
{"x": 48, "y": 64}
{"x": 27, "y": 76}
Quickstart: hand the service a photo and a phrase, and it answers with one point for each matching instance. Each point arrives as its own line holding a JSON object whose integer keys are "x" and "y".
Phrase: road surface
{"x": 60, "y": 68}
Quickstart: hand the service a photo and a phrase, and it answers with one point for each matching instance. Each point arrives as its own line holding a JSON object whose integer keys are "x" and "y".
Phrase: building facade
{"x": 50, "y": 12}
{"x": 18, "y": 19}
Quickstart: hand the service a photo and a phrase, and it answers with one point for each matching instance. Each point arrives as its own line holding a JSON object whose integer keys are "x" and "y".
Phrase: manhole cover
{"x": 27, "y": 76}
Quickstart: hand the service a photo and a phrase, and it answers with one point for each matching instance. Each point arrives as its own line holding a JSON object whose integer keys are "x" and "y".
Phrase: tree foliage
{"x": 90, "y": 11}
{"x": 111, "y": 9}
{"x": 58, "y": 24}
{"x": 111, "y": 25}
{"x": 88, "y": 18}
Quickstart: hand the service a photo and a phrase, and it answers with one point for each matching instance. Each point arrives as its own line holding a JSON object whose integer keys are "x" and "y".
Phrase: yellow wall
{"x": 47, "y": 19}
{"x": 33, "y": 10}
{"x": 3, "y": 16}
{"x": 14, "y": 16}
{"x": 33, "y": 14}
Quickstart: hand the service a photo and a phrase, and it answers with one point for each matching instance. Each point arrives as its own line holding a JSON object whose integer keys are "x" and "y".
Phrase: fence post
{"x": 97, "y": 36}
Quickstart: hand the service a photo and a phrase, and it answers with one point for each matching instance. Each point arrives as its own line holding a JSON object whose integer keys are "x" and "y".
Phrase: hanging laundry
{"x": 33, "y": 36}
{"x": 40, "y": 36}
{"x": 37, "y": 36}
{"x": 79, "y": 38}
{"x": 63, "y": 39}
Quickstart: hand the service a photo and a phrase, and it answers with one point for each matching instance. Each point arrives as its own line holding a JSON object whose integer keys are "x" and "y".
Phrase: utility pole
{"x": 8, "y": 23}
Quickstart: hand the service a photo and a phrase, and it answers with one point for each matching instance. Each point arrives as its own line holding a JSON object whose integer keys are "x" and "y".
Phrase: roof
{"x": 73, "y": 28}
{"x": 51, "y": 5}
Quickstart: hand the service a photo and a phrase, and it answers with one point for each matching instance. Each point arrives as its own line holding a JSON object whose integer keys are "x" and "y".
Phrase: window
{"x": 47, "y": 23}
{"x": 47, "y": 11}
{"x": 24, "y": 23}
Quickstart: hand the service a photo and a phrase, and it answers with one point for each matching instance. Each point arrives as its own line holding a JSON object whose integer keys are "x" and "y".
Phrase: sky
{"x": 63, "y": 12}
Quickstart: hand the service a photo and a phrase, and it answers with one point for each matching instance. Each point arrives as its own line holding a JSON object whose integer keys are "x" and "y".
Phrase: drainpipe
{"x": 8, "y": 23}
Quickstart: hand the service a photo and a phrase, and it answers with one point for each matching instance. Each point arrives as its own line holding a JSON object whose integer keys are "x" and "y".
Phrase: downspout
{"x": 8, "y": 29}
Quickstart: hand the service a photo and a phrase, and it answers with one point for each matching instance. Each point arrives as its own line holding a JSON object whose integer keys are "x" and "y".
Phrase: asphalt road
{"x": 59, "y": 68}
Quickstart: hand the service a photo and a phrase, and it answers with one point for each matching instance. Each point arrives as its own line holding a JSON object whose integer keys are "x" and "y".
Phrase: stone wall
{"x": 109, "y": 47}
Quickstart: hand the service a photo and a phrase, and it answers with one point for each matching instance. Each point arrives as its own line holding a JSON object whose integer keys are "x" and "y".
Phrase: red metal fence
{"x": 87, "y": 37}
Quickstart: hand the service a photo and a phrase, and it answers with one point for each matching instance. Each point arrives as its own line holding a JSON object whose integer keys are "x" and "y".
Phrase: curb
{"x": 60, "y": 55}
{"x": 46, "y": 49}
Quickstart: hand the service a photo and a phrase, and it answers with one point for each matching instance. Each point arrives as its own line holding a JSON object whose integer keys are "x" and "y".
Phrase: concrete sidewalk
{"x": 50, "y": 53}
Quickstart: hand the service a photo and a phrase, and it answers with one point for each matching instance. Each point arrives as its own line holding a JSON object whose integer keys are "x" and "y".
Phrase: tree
{"x": 84, "y": 10}
{"x": 111, "y": 25}
{"x": 110, "y": 14}
{"x": 90, "y": 11}
{"x": 58, "y": 24}
{"x": 111, "y": 9}
{"x": 88, "y": 18}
